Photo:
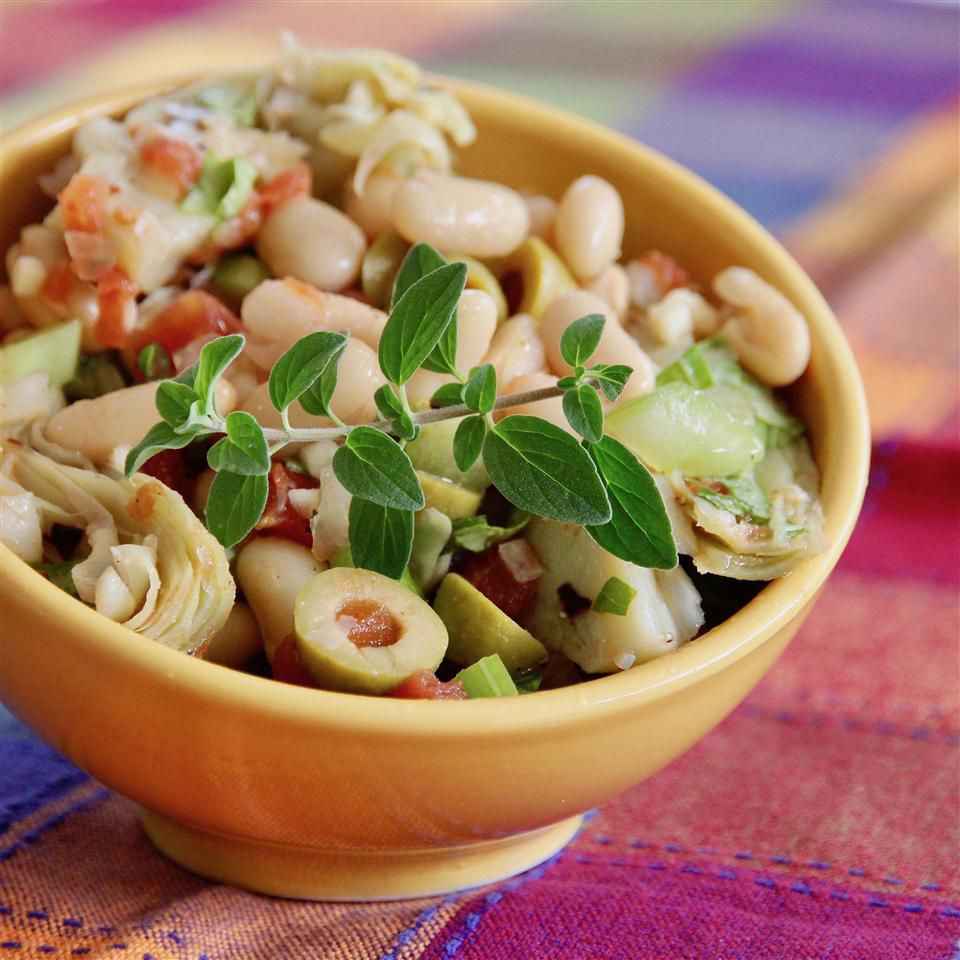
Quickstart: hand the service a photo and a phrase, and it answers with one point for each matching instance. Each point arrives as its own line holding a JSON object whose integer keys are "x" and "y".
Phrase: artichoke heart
{"x": 187, "y": 598}
{"x": 663, "y": 615}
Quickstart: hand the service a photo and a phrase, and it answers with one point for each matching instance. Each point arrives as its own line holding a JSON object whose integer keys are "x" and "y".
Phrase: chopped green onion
{"x": 223, "y": 188}
{"x": 96, "y": 375}
{"x": 239, "y": 105}
{"x": 691, "y": 367}
{"x": 154, "y": 362}
{"x": 487, "y": 678}
{"x": 237, "y": 276}
{"x": 614, "y": 597}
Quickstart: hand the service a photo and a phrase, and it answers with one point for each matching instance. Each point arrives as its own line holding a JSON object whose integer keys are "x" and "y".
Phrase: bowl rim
{"x": 762, "y": 617}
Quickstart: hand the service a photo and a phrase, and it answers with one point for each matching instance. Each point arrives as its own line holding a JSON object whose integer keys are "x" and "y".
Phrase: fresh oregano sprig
{"x": 595, "y": 482}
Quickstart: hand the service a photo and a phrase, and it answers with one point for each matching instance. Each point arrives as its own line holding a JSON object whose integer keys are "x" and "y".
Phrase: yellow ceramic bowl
{"x": 323, "y": 795}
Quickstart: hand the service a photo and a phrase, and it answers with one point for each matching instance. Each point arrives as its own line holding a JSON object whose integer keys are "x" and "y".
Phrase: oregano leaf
{"x": 418, "y": 321}
{"x": 381, "y": 537}
{"x": 302, "y": 365}
{"x": 420, "y": 260}
{"x": 449, "y": 395}
{"x": 468, "y": 442}
{"x": 639, "y": 529}
{"x": 610, "y": 377}
{"x": 234, "y": 505}
{"x": 175, "y": 402}
{"x": 480, "y": 391}
{"x": 316, "y": 399}
{"x": 542, "y": 469}
{"x": 214, "y": 359}
{"x": 581, "y": 338}
{"x": 373, "y": 466}
{"x": 160, "y": 437}
{"x": 582, "y": 409}
{"x": 243, "y": 450}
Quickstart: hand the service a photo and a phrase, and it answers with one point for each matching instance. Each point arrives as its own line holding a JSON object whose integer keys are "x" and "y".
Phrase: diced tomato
{"x": 59, "y": 283}
{"x": 492, "y": 576}
{"x": 174, "y": 160}
{"x": 193, "y": 314}
{"x": 116, "y": 295}
{"x": 424, "y": 685}
{"x": 170, "y": 467}
{"x": 667, "y": 272}
{"x": 292, "y": 183}
{"x": 84, "y": 203}
{"x": 286, "y": 665}
{"x": 280, "y": 518}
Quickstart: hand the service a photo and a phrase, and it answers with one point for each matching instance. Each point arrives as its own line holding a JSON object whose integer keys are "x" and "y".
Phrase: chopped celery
{"x": 734, "y": 387}
{"x": 54, "y": 351}
{"x": 487, "y": 678}
{"x": 691, "y": 368}
{"x": 679, "y": 427}
{"x": 344, "y": 558}
{"x": 237, "y": 276}
{"x": 614, "y": 597}
{"x": 223, "y": 187}
{"x": 96, "y": 375}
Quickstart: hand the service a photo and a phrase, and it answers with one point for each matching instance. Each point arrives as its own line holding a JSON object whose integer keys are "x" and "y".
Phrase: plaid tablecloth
{"x": 821, "y": 819}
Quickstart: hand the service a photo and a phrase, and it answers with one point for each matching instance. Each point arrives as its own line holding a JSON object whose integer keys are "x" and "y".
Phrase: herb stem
{"x": 308, "y": 434}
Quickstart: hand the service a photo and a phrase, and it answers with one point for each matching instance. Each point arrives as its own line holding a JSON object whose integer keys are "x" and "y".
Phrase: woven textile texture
{"x": 821, "y": 819}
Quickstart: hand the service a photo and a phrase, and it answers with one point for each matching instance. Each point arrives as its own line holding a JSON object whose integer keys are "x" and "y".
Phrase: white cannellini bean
{"x": 474, "y": 217}
{"x": 121, "y": 418}
{"x": 551, "y": 409}
{"x": 373, "y": 212}
{"x": 766, "y": 331}
{"x": 271, "y": 571}
{"x": 278, "y": 313}
{"x": 476, "y": 324}
{"x": 543, "y": 216}
{"x": 612, "y": 286}
{"x": 237, "y": 640}
{"x": 516, "y": 349}
{"x": 314, "y": 242}
{"x": 589, "y": 226}
{"x": 680, "y": 317}
{"x": 616, "y": 345}
{"x": 644, "y": 286}
{"x": 358, "y": 379}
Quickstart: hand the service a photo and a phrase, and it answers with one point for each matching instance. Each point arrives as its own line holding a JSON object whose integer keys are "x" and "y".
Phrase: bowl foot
{"x": 311, "y": 873}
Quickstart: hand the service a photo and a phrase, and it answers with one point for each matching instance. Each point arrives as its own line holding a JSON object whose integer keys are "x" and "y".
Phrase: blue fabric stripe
{"x": 31, "y": 773}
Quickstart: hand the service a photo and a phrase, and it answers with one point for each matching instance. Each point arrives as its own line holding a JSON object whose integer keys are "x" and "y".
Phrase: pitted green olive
{"x": 537, "y": 275}
{"x": 380, "y": 265}
{"x": 360, "y": 632}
